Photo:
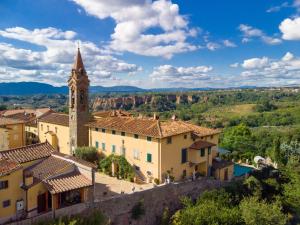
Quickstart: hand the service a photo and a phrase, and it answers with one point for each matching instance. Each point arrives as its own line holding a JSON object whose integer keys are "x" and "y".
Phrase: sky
{"x": 152, "y": 44}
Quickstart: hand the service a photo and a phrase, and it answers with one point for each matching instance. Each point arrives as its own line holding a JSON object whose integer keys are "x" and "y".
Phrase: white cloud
{"x": 290, "y": 29}
{"x": 234, "y": 65}
{"x": 255, "y": 63}
{"x": 287, "y": 57}
{"x": 212, "y": 46}
{"x": 53, "y": 63}
{"x": 134, "y": 19}
{"x": 285, "y": 70}
{"x": 229, "y": 44}
{"x": 251, "y": 32}
{"x": 278, "y": 7}
{"x": 179, "y": 76}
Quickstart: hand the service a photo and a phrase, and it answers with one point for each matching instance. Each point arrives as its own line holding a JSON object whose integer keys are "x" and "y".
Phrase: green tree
{"x": 255, "y": 212}
{"x": 238, "y": 138}
{"x": 212, "y": 207}
{"x": 89, "y": 154}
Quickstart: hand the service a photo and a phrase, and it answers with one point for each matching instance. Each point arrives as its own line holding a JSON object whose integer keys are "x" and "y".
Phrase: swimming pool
{"x": 241, "y": 170}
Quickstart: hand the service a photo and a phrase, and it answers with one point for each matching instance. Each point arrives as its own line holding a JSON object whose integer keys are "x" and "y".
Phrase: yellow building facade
{"x": 36, "y": 179}
{"x": 12, "y": 133}
{"x": 157, "y": 149}
{"x": 54, "y": 128}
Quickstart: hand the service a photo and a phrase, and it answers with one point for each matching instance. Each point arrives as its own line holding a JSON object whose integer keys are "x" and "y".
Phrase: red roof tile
{"x": 56, "y": 118}
{"x": 28, "y": 153}
{"x": 8, "y": 166}
{"x": 201, "y": 144}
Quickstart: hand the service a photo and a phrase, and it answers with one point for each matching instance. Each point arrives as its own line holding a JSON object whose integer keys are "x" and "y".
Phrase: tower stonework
{"x": 78, "y": 105}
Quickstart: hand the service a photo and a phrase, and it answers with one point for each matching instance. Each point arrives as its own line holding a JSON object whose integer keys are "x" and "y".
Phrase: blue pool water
{"x": 241, "y": 170}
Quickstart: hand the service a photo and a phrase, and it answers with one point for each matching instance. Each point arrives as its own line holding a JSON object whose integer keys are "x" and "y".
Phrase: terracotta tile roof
{"x": 149, "y": 126}
{"x": 56, "y": 118}
{"x": 9, "y": 121}
{"x": 22, "y": 116}
{"x": 49, "y": 167}
{"x": 8, "y": 166}
{"x": 201, "y": 144}
{"x": 221, "y": 163}
{"x": 75, "y": 159}
{"x": 28, "y": 153}
{"x": 37, "y": 112}
{"x": 67, "y": 182}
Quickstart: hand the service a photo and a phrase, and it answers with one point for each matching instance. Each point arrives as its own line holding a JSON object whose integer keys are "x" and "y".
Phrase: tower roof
{"x": 78, "y": 64}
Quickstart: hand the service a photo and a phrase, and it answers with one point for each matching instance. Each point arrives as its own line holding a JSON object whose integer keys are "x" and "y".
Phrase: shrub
{"x": 89, "y": 154}
{"x": 156, "y": 181}
{"x": 124, "y": 169}
{"x": 95, "y": 217}
{"x": 138, "y": 210}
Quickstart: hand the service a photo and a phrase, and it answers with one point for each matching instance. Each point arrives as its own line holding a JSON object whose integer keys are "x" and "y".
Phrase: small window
{"x": 149, "y": 139}
{"x": 209, "y": 150}
{"x": 47, "y": 128}
{"x": 184, "y": 155}
{"x": 113, "y": 132}
{"x": 42, "y": 127}
{"x": 136, "y": 154}
{"x": 97, "y": 144}
{"x": 3, "y": 184}
{"x": 136, "y": 136}
{"x": 56, "y": 130}
{"x": 185, "y": 136}
{"x": 16, "y": 137}
{"x": 212, "y": 137}
{"x": 202, "y": 152}
{"x": 96, "y": 129}
{"x": 113, "y": 149}
{"x": 103, "y": 130}
{"x": 169, "y": 140}
{"x": 6, "y": 203}
{"x": 122, "y": 133}
{"x": 149, "y": 157}
{"x": 103, "y": 147}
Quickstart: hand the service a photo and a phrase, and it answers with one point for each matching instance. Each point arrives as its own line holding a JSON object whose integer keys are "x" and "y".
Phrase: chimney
{"x": 28, "y": 178}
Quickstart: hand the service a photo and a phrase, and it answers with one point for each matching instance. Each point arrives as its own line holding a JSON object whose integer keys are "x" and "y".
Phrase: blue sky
{"x": 162, "y": 43}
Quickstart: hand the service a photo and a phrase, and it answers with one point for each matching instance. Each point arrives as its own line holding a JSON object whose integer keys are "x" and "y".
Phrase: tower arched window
{"x": 82, "y": 97}
{"x": 72, "y": 98}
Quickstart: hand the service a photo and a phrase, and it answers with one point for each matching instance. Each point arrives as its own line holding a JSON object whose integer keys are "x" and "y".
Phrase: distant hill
{"x": 30, "y": 88}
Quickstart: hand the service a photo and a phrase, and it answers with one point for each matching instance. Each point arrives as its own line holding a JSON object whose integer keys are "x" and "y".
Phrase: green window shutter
{"x": 202, "y": 152}
{"x": 97, "y": 144}
{"x": 149, "y": 157}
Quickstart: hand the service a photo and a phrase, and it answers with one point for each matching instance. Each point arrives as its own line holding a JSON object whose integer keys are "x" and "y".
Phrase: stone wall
{"x": 118, "y": 209}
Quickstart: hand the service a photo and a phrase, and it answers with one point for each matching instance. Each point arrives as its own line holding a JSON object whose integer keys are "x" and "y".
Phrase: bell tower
{"x": 78, "y": 105}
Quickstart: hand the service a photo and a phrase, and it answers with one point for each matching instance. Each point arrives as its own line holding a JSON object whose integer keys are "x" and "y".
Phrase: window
{"x": 82, "y": 95}
{"x": 56, "y": 130}
{"x": 149, "y": 157}
{"x": 96, "y": 129}
{"x": 169, "y": 140}
{"x": 212, "y": 136}
{"x": 113, "y": 132}
{"x": 97, "y": 144}
{"x": 185, "y": 136}
{"x": 136, "y": 136}
{"x": 136, "y": 154}
{"x": 149, "y": 139}
{"x": 122, "y": 133}
{"x": 103, "y": 147}
{"x": 103, "y": 130}
{"x": 42, "y": 127}
{"x": 3, "y": 184}
{"x": 113, "y": 149}
{"x": 202, "y": 152}
{"x": 6, "y": 203}
{"x": 47, "y": 128}
{"x": 209, "y": 150}
{"x": 184, "y": 155}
